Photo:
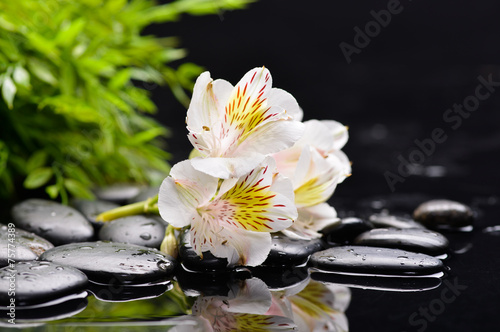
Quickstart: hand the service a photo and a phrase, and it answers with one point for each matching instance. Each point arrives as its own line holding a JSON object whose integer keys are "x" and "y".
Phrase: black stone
{"x": 387, "y": 220}
{"x": 118, "y": 193}
{"x": 206, "y": 283}
{"x": 55, "y": 222}
{"x": 114, "y": 263}
{"x": 28, "y": 246}
{"x": 140, "y": 230}
{"x": 91, "y": 209}
{"x": 191, "y": 261}
{"x": 145, "y": 194}
{"x": 39, "y": 282}
{"x": 373, "y": 260}
{"x": 125, "y": 293}
{"x": 291, "y": 252}
{"x": 444, "y": 213}
{"x": 345, "y": 231}
{"x": 278, "y": 278}
{"x": 387, "y": 283}
{"x": 413, "y": 239}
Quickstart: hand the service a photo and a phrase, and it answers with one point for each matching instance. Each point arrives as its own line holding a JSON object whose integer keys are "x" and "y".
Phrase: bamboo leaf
{"x": 38, "y": 177}
{"x": 8, "y": 91}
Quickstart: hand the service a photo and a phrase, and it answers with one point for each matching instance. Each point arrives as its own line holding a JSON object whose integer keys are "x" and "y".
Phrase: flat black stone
{"x": 28, "y": 246}
{"x": 39, "y": 282}
{"x": 291, "y": 252}
{"x": 387, "y": 283}
{"x": 191, "y": 261}
{"x": 388, "y": 220}
{"x": 55, "y": 222}
{"x": 373, "y": 260}
{"x": 140, "y": 230}
{"x": 114, "y": 263}
{"x": 412, "y": 239}
{"x": 346, "y": 230}
{"x": 441, "y": 212}
{"x": 91, "y": 209}
{"x": 125, "y": 293}
{"x": 118, "y": 193}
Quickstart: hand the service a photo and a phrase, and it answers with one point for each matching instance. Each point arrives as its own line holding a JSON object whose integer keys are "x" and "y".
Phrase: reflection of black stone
{"x": 191, "y": 260}
{"x": 291, "y": 252}
{"x": 122, "y": 293}
{"x": 38, "y": 282}
{"x": 114, "y": 263}
{"x": 280, "y": 277}
{"x": 53, "y": 221}
{"x": 207, "y": 284}
{"x": 413, "y": 239}
{"x": 52, "y": 310}
{"x": 373, "y": 260}
{"x": 397, "y": 284}
{"x": 345, "y": 231}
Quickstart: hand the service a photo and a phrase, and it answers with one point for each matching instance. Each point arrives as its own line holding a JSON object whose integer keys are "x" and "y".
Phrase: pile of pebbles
{"x": 62, "y": 254}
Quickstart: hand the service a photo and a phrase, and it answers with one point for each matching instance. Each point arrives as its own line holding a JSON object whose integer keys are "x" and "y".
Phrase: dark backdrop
{"x": 395, "y": 89}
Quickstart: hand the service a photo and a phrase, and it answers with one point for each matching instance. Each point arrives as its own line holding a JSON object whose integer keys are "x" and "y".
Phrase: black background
{"x": 395, "y": 91}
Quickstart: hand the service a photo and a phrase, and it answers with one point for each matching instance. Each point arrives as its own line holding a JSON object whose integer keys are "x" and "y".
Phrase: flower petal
{"x": 311, "y": 220}
{"x": 287, "y": 102}
{"x": 225, "y": 168}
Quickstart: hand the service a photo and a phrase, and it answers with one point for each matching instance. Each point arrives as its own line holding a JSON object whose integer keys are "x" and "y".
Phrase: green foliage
{"x": 75, "y": 81}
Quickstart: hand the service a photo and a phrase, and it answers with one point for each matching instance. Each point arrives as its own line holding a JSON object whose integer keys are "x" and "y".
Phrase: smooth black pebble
{"x": 345, "y": 231}
{"x": 114, "y": 263}
{"x": 388, "y": 220}
{"x": 444, "y": 213}
{"x": 376, "y": 261}
{"x": 412, "y": 239}
{"x": 291, "y": 252}
{"x": 140, "y": 230}
{"x": 55, "y": 222}
{"x": 28, "y": 246}
{"x": 92, "y": 208}
{"x": 192, "y": 262}
{"x": 39, "y": 282}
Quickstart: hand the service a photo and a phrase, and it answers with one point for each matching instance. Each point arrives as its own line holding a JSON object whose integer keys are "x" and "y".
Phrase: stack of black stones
{"x": 62, "y": 255}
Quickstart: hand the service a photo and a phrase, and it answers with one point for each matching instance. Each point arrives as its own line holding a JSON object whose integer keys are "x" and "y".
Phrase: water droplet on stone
{"x": 145, "y": 236}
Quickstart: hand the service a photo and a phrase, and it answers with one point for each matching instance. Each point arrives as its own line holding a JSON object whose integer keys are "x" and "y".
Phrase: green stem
{"x": 149, "y": 206}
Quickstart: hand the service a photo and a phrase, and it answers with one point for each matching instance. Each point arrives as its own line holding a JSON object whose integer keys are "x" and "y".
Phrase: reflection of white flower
{"x": 233, "y": 128}
{"x": 316, "y": 307}
{"x": 315, "y": 164}
{"x": 242, "y": 310}
{"x": 231, "y": 218}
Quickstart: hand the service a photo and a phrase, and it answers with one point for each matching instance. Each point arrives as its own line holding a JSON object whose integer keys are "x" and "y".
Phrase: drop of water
{"x": 402, "y": 257}
{"x": 86, "y": 247}
{"x": 145, "y": 236}
{"x": 163, "y": 265}
{"x": 59, "y": 268}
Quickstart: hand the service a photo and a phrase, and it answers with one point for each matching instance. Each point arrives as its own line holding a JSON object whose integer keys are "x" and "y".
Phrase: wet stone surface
{"x": 28, "y": 246}
{"x": 55, "y": 222}
{"x": 38, "y": 282}
{"x": 416, "y": 240}
{"x": 291, "y": 252}
{"x": 444, "y": 213}
{"x": 91, "y": 209}
{"x": 373, "y": 260}
{"x": 387, "y": 220}
{"x": 192, "y": 262}
{"x": 346, "y": 231}
{"x": 118, "y": 193}
{"x": 114, "y": 263}
{"x": 140, "y": 230}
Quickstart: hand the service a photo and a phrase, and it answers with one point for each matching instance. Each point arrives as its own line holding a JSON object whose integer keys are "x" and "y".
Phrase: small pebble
{"x": 442, "y": 212}
{"x": 140, "y": 230}
{"x": 91, "y": 209}
{"x": 53, "y": 221}
{"x": 39, "y": 282}
{"x": 375, "y": 261}
{"x": 345, "y": 231}
{"x": 118, "y": 193}
{"x": 114, "y": 263}
{"x": 412, "y": 239}
{"x": 387, "y": 220}
{"x": 291, "y": 252}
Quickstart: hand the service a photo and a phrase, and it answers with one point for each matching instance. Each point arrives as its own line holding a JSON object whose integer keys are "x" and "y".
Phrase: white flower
{"x": 316, "y": 165}
{"x": 230, "y": 218}
{"x": 234, "y": 128}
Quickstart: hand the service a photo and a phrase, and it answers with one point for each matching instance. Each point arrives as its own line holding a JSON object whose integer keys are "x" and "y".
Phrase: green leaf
{"x": 38, "y": 177}
{"x": 8, "y": 91}
{"x": 37, "y": 160}
{"x": 52, "y": 191}
{"x": 21, "y": 76}
{"x": 77, "y": 189}
{"x": 42, "y": 71}
{"x": 69, "y": 32}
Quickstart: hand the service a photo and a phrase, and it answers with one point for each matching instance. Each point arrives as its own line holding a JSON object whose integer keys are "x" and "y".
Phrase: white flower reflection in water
{"x": 308, "y": 306}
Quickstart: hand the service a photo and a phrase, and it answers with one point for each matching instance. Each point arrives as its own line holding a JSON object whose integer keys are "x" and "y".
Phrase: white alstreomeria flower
{"x": 230, "y": 218}
{"x": 233, "y": 128}
{"x": 316, "y": 165}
